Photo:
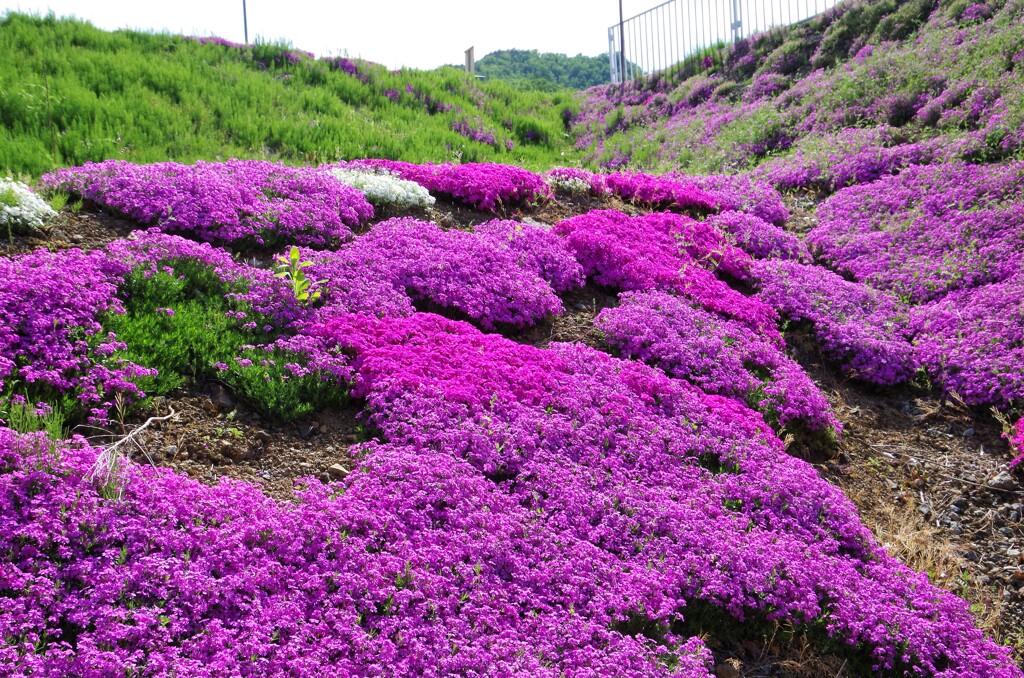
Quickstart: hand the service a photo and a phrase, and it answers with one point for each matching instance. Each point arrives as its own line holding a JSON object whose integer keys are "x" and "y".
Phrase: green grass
{"x": 71, "y": 93}
{"x": 177, "y": 323}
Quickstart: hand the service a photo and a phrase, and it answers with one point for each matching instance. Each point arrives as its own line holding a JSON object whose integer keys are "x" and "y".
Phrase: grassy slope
{"x": 70, "y": 93}
{"x": 918, "y": 51}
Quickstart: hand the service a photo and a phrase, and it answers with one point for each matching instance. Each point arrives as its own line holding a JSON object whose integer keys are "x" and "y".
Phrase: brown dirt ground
{"x": 918, "y": 468}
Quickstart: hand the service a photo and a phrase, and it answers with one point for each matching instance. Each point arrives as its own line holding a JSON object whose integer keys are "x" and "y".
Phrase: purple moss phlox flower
{"x": 485, "y": 186}
{"x": 506, "y": 273}
{"x": 719, "y": 355}
{"x": 51, "y": 306}
{"x": 972, "y": 342}
{"x": 668, "y": 252}
{"x": 237, "y": 200}
{"x": 928, "y": 230}
{"x": 862, "y": 328}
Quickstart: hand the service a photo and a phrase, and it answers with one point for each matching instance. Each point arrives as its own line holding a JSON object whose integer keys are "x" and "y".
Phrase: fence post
{"x": 470, "y": 61}
{"x": 737, "y": 21}
{"x": 622, "y": 45}
{"x": 612, "y": 60}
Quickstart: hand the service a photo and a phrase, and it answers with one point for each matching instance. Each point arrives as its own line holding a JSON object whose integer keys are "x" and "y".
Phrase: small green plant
{"x": 264, "y": 380}
{"x": 177, "y": 322}
{"x": 8, "y": 197}
{"x": 25, "y": 418}
{"x": 58, "y": 200}
{"x": 290, "y": 268}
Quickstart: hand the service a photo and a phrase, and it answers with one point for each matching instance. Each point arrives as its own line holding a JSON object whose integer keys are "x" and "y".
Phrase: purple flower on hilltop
{"x": 927, "y": 231}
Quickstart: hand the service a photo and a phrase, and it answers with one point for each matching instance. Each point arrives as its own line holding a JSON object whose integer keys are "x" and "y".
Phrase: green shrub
{"x": 262, "y": 379}
{"x": 176, "y": 322}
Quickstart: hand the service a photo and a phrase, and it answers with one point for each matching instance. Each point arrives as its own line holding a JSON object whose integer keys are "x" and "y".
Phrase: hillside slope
{"x": 70, "y": 93}
{"x": 874, "y": 85}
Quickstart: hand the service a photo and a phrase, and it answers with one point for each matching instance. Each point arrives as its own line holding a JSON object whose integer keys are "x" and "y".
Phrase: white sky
{"x": 417, "y": 33}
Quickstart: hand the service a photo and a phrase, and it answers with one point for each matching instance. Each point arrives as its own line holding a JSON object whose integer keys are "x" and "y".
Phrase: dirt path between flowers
{"x": 927, "y": 476}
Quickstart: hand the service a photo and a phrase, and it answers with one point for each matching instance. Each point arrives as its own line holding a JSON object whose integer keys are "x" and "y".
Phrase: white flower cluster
{"x": 384, "y": 188}
{"x": 570, "y": 185}
{"x": 21, "y": 210}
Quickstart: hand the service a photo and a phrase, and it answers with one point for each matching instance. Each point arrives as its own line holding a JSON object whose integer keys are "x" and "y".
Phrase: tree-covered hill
{"x": 559, "y": 70}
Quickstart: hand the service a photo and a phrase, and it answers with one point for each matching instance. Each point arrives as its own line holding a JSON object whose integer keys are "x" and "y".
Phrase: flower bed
{"x": 972, "y": 342}
{"x": 232, "y": 202}
{"x": 644, "y": 477}
{"x": 535, "y": 249}
{"x": 576, "y": 181}
{"x": 742, "y": 193}
{"x": 644, "y": 253}
{"x": 757, "y": 237}
{"x": 864, "y": 329}
{"x": 485, "y": 186}
{"x": 660, "y": 191}
{"x": 383, "y": 189}
{"x": 492, "y": 278}
{"x": 51, "y": 338}
{"x": 21, "y": 210}
{"x": 718, "y": 355}
{"x": 927, "y": 231}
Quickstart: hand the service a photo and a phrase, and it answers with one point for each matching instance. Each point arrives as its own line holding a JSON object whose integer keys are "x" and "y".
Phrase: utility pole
{"x": 245, "y": 22}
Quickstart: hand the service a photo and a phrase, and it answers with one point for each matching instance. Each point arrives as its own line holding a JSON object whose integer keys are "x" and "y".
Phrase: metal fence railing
{"x": 662, "y": 36}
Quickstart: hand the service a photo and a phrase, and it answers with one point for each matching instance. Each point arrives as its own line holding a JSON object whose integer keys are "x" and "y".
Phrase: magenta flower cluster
{"x": 948, "y": 238}
{"x": 862, "y": 328}
{"x": 742, "y": 193}
{"x": 757, "y": 237}
{"x": 51, "y": 336}
{"x": 660, "y": 191}
{"x": 536, "y": 249}
{"x": 485, "y": 186}
{"x": 505, "y": 274}
{"x": 900, "y": 233}
{"x": 718, "y": 355}
{"x": 971, "y": 342}
{"x": 640, "y": 477}
{"x": 238, "y": 200}
{"x": 667, "y": 252}
{"x": 1016, "y": 438}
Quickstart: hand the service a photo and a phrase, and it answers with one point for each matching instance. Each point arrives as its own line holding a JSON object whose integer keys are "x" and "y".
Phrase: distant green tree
{"x": 520, "y": 65}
